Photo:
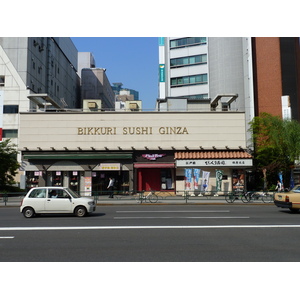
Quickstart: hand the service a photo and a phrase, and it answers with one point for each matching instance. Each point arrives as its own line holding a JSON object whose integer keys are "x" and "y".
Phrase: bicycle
{"x": 266, "y": 197}
{"x": 151, "y": 197}
{"x": 243, "y": 196}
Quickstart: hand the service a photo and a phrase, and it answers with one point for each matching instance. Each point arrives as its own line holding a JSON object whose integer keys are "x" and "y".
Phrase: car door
{"x": 37, "y": 199}
{"x": 58, "y": 201}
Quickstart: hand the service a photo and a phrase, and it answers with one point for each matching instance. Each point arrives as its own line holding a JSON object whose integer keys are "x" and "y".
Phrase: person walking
{"x": 279, "y": 186}
{"x": 110, "y": 187}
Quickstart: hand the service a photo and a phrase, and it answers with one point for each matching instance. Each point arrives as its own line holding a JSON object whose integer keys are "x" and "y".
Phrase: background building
{"x": 95, "y": 86}
{"x": 85, "y": 60}
{"x": 36, "y": 73}
{"x": 277, "y": 76}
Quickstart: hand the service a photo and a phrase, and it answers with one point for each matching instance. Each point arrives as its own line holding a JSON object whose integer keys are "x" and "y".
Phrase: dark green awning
{"x": 77, "y": 155}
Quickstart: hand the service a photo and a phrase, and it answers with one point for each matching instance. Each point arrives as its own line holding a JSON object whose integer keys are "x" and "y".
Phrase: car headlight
{"x": 91, "y": 203}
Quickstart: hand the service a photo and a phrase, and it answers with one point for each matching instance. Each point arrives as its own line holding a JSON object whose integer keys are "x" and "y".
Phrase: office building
{"x": 36, "y": 73}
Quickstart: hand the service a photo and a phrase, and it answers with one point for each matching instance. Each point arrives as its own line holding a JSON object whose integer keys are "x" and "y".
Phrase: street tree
{"x": 276, "y": 144}
{"x": 8, "y": 163}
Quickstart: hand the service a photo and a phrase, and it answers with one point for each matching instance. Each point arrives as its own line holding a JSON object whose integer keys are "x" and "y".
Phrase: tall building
{"x": 85, "y": 60}
{"x": 201, "y": 73}
{"x": 96, "y": 86}
{"x": 36, "y": 73}
{"x": 277, "y": 76}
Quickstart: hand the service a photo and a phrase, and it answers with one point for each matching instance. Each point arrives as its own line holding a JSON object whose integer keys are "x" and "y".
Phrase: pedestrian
{"x": 278, "y": 186}
{"x": 110, "y": 187}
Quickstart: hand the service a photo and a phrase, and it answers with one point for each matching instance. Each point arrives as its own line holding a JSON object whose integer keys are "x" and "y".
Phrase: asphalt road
{"x": 154, "y": 233}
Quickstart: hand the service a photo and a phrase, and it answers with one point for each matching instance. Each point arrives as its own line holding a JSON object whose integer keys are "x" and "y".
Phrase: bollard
{"x": 5, "y": 198}
{"x": 186, "y": 196}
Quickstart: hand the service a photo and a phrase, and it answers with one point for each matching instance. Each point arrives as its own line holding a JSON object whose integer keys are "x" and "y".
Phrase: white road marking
{"x": 145, "y": 227}
{"x": 7, "y": 237}
{"x": 173, "y": 211}
{"x": 181, "y": 218}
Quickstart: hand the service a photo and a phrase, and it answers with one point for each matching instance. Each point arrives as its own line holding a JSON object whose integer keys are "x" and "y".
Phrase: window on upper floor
{"x": 186, "y": 42}
{"x": 10, "y": 133}
{"x": 197, "y": 97}
{"x": 189, "y": 80}
{"x": 188, "y": 61}
{"x": 2, "y": 80}
{"x": 10, "y": 109}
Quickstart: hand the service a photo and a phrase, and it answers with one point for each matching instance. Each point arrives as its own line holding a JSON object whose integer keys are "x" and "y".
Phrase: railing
{"x": 180, "y": 197}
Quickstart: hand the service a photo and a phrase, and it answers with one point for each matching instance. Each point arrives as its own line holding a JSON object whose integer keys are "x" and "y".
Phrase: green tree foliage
{"x": 8, "y": 163}
{"x": 276, "y": 143}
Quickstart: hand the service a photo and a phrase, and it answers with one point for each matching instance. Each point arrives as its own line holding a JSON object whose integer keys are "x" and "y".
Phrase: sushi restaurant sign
{"x": 131, "y": 130}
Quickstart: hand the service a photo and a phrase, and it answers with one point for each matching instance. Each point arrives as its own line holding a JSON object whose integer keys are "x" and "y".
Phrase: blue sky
{"x": 130, "y": 60}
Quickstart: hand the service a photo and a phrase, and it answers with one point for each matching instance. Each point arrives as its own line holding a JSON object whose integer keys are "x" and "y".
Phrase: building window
{"x": 2, "y": 80}
{"x": 10, "y": 133}
{"x": 188, "y": 41}
{"x": 189, "y": 60}
{"x": 10, "y": 109}
{"x": 197, "y": 97}
{"x": 189, "y": 80}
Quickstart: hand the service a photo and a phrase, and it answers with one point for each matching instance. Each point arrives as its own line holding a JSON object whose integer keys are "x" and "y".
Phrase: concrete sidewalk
{"x": 130, "y": 200}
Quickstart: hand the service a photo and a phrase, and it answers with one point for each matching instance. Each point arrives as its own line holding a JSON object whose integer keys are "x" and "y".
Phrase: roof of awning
{"x": 218, "y": 154}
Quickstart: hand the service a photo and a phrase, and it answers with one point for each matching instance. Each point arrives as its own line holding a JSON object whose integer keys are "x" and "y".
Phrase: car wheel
{"x": 28, "y": 212}
{"x": 294, "y": 210}
{"x": 80, "y": 211}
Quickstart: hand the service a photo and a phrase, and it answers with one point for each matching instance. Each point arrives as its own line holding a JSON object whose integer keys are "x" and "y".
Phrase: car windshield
{"x": 72, "y": 193}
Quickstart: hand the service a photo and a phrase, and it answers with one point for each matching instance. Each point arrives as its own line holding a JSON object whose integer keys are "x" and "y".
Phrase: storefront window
{"x": 167, "y": 179}
{"x": 57, "y": 178}
{"x": 74, "y": 181}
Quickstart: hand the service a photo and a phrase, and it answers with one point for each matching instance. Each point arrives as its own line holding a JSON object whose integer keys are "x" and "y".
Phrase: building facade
{"x": 277, "y": 76}
{"x": 141, "y": 150}
{"x": 96, "y": 86}
{"x": 36, "y": 73}
{"x": 195, "y": 71}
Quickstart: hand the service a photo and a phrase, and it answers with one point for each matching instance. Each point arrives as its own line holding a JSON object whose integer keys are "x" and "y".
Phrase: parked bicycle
{"x": 266, "y": 197}
{"x": 248, "y": 197}
{"x": 243, "y": 196}
{"x": 151, "y": 197}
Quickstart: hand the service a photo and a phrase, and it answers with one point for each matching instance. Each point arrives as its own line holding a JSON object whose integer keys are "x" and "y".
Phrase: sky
{"x": 130, "y": 60}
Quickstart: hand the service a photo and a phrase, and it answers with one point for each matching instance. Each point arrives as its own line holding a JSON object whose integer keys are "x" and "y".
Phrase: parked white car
{"x": 44, "y": 200}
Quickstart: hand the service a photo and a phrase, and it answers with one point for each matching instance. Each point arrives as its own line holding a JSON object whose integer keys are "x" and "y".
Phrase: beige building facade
{"x": 141, "y": 150}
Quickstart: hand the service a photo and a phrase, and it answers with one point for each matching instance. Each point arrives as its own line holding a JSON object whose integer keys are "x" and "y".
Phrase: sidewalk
{"x": 129, "y": 200}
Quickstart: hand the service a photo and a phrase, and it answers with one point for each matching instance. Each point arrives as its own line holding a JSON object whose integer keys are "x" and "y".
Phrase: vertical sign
{"x": 1, "y": 113}
{"x": 88, "y": 186}
{"x": 188, "y": 179}
{"x": 219, "y": 177}
{"x": 196, "y": 178}
{"x": 161, "y": 73}
{"x": 205, "y": 181}
{"x": 161, "y": 41}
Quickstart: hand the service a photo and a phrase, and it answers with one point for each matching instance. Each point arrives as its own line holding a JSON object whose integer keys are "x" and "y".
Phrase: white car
{"x": 44, "y": 200}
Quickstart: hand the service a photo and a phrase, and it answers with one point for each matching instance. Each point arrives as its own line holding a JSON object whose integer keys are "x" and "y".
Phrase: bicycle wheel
{"x": 245, "y": 199}
{"x": 229, "y": 198}
{"x": 267, "y": 198}
{"x": 153, "y": 198}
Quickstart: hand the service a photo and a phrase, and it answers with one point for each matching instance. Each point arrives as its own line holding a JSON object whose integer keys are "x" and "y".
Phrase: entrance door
{"x": 149, "y": 179}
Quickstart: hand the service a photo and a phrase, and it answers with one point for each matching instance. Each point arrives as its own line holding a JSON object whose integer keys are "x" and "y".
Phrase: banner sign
{"x": 219, "y": 176}
{"x": 205, "y": 181}
{"x": 196, "y": 178}
{"x": 188, "y": 179}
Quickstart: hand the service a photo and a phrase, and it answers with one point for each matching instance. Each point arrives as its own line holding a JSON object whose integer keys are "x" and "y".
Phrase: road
{"x": 154, "y": 233}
